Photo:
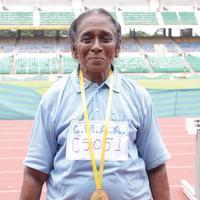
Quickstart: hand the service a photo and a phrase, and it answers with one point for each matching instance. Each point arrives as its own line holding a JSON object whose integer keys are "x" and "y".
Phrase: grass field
{"x": 170, "y": 84}
{"x": 41, "y": 86}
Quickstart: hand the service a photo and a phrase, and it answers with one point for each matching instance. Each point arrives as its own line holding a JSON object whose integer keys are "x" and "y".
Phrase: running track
{"x": 14, "y": 137}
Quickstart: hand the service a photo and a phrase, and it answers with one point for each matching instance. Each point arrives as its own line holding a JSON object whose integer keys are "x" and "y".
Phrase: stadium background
{"x": 160, "y": 50}
{"x": 160, "y": 46}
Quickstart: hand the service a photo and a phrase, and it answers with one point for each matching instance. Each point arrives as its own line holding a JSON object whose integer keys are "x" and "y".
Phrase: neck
{"x": 96, "y": 77}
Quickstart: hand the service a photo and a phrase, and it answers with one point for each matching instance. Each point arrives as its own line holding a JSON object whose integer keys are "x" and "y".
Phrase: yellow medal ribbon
{"x": 97, "y": 176}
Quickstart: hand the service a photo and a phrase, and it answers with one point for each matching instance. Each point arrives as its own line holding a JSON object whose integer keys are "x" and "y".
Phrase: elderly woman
{"x": 95, "y": 134}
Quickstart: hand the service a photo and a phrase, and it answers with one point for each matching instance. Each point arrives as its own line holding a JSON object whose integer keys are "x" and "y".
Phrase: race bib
{"x": 116, "y": 143}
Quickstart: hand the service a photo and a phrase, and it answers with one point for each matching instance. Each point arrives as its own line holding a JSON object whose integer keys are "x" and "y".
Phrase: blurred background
{"x": 160, "y": 49}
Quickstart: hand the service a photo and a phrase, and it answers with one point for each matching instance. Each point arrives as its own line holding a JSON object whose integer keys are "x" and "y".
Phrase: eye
{"x": 86, "y": 40}
{"x": 106, "y": 39}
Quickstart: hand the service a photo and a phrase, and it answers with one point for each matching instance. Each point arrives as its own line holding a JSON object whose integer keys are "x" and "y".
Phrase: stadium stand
{"x": 16, "y": 18}
{"x": 171, "y": 46}
{"x": 160, "y": 55}
{"x": 134, "y": 63}
{"x": 168, "y": 64}
{"x": 191, "y": 44}
{"x": 170, "y": 18}
{"x": 36, "y": 65}
{"x": 140, "y": 54}
{"x": 37, "y": 44}
{"x": 56, "y": 18}
{"x": 7, "y": 44}
{"x": 130, "y": 45}
{"x": 140, "y": 18}
{"x": 187, "y": 18}
{"x": 68, "y": 63}
{"x": 177, "y": 18}
{"x": 6, "y": 65}
{"x": 64, "y": 45}
{"x": 131, "y": 64}
{"x": 147, "y": 44}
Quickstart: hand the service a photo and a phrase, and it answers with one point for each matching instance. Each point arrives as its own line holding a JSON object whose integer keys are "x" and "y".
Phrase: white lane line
{"x": 9, "y": 191}
{"x": 11, "y": 172}
{"x": 183, "y": 154}
{"x": 178, "y": 136}
{"x": 22, "y": 147}
{"x": 11, "y": 139}
{"x": 179, "y": 143}
{"x": 14, "y": 191}
{"x": 12, "y": 158}
{"x": 181, "y": 166}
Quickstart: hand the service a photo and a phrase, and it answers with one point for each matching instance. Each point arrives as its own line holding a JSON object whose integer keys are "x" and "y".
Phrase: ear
{"x": 117, "y": 49}
{"x": 74, "y": 51}
{"x": 117, "y": 52}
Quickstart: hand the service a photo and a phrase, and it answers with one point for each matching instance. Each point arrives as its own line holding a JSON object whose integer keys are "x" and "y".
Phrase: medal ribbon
{"x": 98, "y": 176}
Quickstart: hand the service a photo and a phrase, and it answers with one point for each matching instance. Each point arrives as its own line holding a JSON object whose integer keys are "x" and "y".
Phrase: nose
{"x": 96, "y": 46}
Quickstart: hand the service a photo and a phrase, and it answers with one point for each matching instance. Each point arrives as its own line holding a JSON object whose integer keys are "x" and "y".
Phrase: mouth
{"x": 95, "y": 58}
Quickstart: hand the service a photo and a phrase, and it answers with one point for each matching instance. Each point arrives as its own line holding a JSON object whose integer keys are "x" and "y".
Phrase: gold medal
{"x": 99, "y": 194}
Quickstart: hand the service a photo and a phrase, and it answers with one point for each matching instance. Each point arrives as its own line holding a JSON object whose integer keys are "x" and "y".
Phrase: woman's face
{"x": 96, "y": 43}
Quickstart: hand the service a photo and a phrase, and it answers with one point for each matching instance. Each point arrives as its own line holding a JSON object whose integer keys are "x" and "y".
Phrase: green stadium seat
{"x": 56, "y": 18}
{"x": 6, "y": 65}
{"x": 68, "y": 64}
{"x": 21, "y": 65}
{"x": 187, "y": 18}
{"x": 170, "y": 18}
{"x": 131, "y": 65}
{"x": 168, "y": 64}
{"x": 16, "y": 18}
{"x": 36, "y": 65}
{"x": 140, "y": 18}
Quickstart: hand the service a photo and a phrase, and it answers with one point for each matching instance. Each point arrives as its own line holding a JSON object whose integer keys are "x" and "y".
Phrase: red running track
{"x": 14, "y": 137}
